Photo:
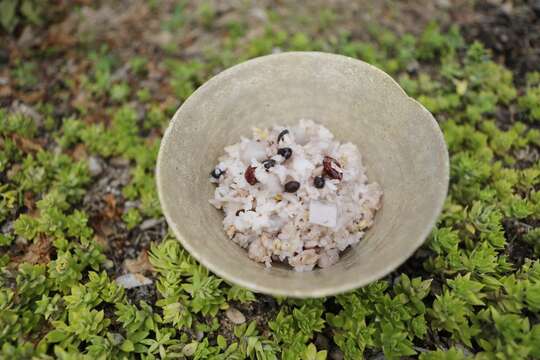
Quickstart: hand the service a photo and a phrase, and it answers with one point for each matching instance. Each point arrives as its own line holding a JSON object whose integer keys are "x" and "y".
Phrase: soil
{"x": 511, "y": 30}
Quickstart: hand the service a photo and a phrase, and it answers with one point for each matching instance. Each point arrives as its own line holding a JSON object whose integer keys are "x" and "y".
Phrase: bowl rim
{"x": 334, "y": 289}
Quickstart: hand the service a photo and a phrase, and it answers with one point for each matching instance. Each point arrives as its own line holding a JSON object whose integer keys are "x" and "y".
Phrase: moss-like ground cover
{"x": 80, "y": 126}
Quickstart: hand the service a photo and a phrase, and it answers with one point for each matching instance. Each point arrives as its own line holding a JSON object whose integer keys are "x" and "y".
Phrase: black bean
{"x": 285, "y": 152}
{"x": 268, "y": 163}
{"x": 292, "y": 186}
{"x": 216, "y": 173}
{"x": 318, "y": 182}
{"x": 281, "y": 135}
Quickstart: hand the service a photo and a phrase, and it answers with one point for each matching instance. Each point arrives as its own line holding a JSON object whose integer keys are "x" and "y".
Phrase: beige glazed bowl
{"x": 402, "y": 147}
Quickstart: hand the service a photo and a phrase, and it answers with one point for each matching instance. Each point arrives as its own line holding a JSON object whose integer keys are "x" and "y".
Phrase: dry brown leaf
{"x": 154, "y": 135}
{"x": 27, "y": 145}
{"x": 80, "y": 101}
{"x": 139, "y": 265}
{"x": 31, "y": 97}
{"x": 61, "y": 35}
{"x": 110, "y": 211}
{"x": 28, "y": 200}
{"x": 38, "y": 252}
{"x": 13, "y": 171}
{"x": 5, "y": 91}
{"x": 101, "y": 241}
{"x": 79, "y": 152}
{"x": 104, "y": 228}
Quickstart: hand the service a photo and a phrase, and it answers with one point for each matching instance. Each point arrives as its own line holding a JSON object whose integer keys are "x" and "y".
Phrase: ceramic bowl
{"x": 402, "y": 147}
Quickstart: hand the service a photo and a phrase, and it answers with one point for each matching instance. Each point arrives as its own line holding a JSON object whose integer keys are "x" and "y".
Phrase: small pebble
{"x": 292, "y": 186}
{"x": 7, "y": 227}
{"x": 149, "y": 223}
{"x": 285, "y": 152}
{"x": 131, "y": 204}
{"x": 318, "y": 182}
{"x": 130, "y": 281}
{"x": 94, "y": 166}
{"x": 321, "y": 342}
{"x": 336, "y": 355}
{"x": 19, "y": 240}
{"x": 235, "y": 316}
{"x": 119, "y": 161}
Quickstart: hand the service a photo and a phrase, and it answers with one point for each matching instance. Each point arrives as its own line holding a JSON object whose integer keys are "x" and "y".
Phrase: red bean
{"x": 330, "y": 164}
{"x": 249, "y": 175}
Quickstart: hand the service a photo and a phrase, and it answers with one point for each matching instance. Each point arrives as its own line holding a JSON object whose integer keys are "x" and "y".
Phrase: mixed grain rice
{"x": 274, "y": 204}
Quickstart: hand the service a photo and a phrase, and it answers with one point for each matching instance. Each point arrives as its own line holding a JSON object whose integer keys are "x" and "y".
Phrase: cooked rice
{"x": 275, "y": 225}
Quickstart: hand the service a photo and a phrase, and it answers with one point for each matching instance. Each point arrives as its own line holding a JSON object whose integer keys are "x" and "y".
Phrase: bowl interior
{"x": 401, "y": 145}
